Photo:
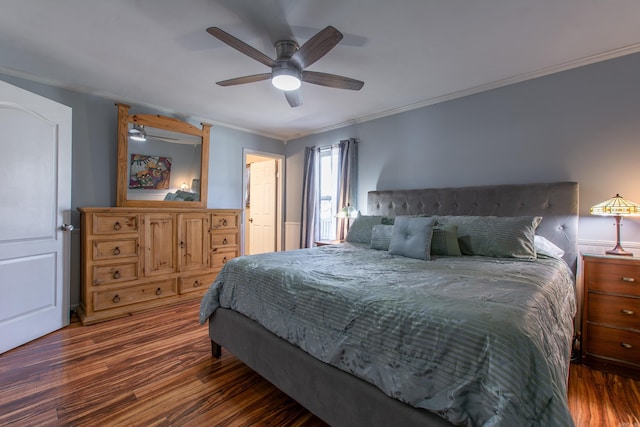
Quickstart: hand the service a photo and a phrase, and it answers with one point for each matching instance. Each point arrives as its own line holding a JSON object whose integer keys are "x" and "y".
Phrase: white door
{"x": 35, "y": 201}
{"x": 262, "y": 187}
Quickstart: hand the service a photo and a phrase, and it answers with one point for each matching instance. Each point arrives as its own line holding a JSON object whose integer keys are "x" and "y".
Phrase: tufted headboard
{"x": 556, "y": 202}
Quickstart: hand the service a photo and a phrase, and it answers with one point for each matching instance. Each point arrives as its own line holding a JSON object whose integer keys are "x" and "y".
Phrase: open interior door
{"x": 35, "y": 139}
{"x": 262, "y": 221}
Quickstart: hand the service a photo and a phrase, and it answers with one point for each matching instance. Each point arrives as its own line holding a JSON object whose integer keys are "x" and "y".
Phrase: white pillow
{"x": 545, "y": 247}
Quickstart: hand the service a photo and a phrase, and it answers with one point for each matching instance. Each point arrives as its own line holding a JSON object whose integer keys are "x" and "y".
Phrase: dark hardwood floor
{"x": 156, "y": 369}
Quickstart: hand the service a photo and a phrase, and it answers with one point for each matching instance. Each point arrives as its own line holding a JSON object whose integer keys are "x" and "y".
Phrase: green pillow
{"x": 381, "y": 237}
{"x": 495, "y": 236}
{"x": 360, "y": 230}
{"x": 445, "y": 240}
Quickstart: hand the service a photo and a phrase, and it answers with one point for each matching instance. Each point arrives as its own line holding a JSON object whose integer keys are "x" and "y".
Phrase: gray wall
{"x": 579, "y": 125}
{"x": 94, "y": 157}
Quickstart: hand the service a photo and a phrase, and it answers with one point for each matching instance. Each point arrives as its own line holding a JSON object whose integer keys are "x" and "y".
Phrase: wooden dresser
{"x": 138, "y": 258}
{"x": 611, "y": 314}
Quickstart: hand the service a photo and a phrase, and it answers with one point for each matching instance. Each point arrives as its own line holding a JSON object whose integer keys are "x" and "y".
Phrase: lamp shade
{"x": 616, "y": 206}
{"x": 347, "y": 212}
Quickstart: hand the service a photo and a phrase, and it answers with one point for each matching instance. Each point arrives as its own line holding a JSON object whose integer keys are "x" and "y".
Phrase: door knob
{"x": 66, "y": 227}
{"x": 250, "y": 219}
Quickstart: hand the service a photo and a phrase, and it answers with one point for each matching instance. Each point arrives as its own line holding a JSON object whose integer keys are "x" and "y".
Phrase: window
{"x": 328, "y": 203}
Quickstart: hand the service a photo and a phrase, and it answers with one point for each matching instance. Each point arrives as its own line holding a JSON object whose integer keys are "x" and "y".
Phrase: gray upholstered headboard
{"x": 556, "y": 202}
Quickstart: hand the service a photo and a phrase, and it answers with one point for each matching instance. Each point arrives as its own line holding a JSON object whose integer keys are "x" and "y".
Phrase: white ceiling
{"x": 409, "y": 53}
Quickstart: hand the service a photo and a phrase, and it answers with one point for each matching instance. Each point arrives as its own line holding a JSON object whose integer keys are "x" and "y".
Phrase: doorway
{"x": 263, "y": 187}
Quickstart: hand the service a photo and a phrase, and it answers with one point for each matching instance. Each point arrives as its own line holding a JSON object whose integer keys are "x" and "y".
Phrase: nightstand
{"x": 611, "y": 314}
{"x": 327, "y": 242}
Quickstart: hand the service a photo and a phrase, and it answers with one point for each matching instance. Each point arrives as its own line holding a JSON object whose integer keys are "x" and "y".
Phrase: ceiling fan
{"x": 288, "y": 69}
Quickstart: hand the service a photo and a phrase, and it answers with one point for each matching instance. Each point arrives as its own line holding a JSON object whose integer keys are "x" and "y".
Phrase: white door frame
{"x": 279, "y": 197}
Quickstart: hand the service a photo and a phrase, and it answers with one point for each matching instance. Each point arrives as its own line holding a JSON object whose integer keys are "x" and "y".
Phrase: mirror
{"x": 162, "y": 161}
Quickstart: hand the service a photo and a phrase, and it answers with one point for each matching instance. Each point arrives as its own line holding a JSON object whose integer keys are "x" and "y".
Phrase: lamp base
{"x": 619, "y": 251}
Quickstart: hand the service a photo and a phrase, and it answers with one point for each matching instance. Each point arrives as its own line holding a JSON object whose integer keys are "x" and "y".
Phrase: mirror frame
{"x": 165, "y": 123}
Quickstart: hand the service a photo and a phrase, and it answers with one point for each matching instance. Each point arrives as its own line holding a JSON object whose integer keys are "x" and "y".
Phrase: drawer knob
{"x": 158, "y": 291}
{"x": 116, "y": 251}
{"x": 224, "y": 242}
{"x": 627, "y": 312}
{"x": 626, "y": 345}
{"x": 628, "y": 279}
{"x": 117, "y": 226}
{"x": 116, "y": 274}
{"x": 224, "y": 260}
{"x": 196, "y": 284}
{"x": 116, "y": 299}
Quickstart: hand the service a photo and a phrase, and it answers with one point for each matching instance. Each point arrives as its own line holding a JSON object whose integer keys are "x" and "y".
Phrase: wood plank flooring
{"x": 156, "y": 369}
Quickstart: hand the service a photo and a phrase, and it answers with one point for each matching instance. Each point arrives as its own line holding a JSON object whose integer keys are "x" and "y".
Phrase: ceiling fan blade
{"x": 241, "y": 46}
{"x": 331, "y": 80}
{"x": 293, "y": 97}
{"x": 317, "y": 46}
{"x": 163, "y": 138}
{"x": 246, "y": 79}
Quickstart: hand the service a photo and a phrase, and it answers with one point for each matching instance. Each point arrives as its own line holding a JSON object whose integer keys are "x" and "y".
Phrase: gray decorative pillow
{"x": 445, "y": 240}
{"x": 411, "y": 237}
{"x": 360, "y": 230}
{"x": 381, "y": 237}
{"x": 493, "y": 236}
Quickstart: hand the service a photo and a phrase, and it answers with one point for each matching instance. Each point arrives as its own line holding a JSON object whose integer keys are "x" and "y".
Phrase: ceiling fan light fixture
{"x": 137, "y": 133}
{"x": 285, "y": 79}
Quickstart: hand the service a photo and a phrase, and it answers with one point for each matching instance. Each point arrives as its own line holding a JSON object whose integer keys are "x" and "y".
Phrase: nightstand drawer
{"x": 619, "y": 278}
{"x": 614, "y": 310}
{"x": 613, "y": 343}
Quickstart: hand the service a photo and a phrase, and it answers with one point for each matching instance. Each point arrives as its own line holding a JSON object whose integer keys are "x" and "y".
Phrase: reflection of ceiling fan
{"x": 138, "y": 133}
{"x": 288, "y": 69}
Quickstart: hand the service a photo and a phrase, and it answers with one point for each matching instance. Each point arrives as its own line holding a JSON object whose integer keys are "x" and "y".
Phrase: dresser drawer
{"x": 114, "y": 249}
{"x": 112, "y": 224}
{"x": 220, "y": 258}
{"x": 196, "y": 283}
{"x": 112, "y": 298}
{"x": 114, "y": 273}
{"x": 224, "y": 239}
{"x": 613, "y": 343}
{"x": 223, "y": 221}
{"x": 614, "y": 310}
{"x": 619, "y": 278}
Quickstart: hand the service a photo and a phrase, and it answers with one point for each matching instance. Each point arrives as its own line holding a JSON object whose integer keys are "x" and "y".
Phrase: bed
{"x": 377, "y": 336}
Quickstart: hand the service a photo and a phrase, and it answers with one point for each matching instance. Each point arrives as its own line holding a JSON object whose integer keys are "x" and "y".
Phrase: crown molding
{"x": 604, "y": 56}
